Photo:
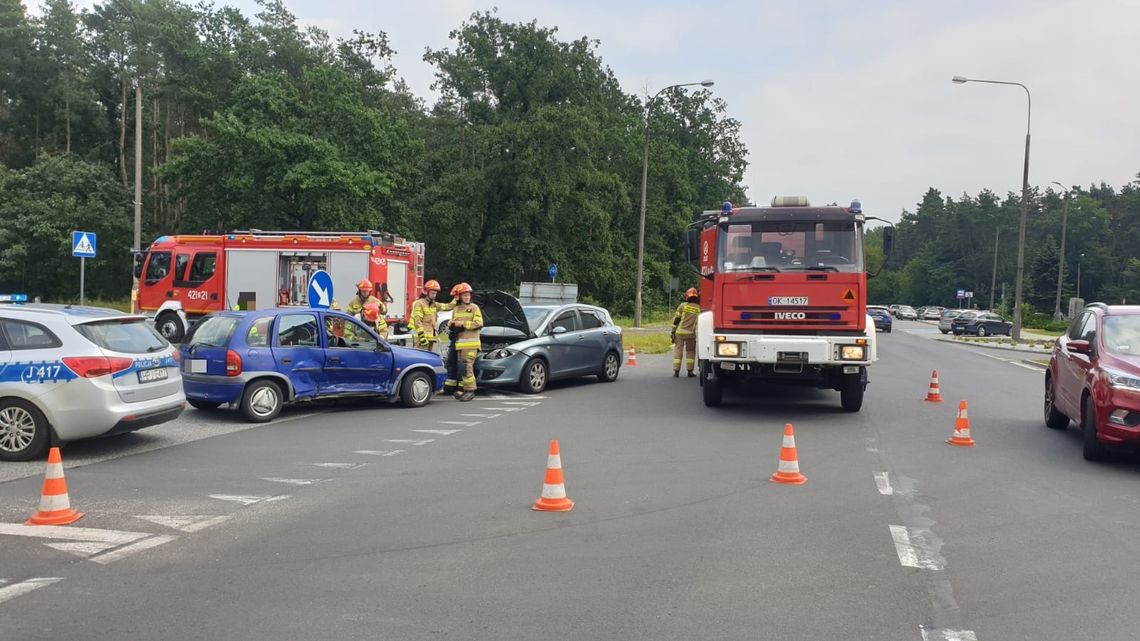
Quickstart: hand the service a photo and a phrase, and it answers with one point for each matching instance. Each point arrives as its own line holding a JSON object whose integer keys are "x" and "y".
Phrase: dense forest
{"x": 530, "y": 154}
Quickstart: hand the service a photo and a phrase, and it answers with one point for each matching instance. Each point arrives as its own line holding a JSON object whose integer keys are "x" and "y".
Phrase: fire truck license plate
{"x": 787, "y": 300}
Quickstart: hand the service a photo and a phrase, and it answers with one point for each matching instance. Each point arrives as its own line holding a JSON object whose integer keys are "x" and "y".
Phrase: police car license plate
{"x": 152, "y": 375}
{"x": 787, "y": 300}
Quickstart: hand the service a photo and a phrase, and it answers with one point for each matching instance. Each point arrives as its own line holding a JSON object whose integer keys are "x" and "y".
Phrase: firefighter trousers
{"x": 681, "y": 345}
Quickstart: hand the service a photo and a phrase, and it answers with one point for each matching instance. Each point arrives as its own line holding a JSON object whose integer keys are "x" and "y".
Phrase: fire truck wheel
{"x": 170, "y": 326}
{"x": 261, "y": 401}
{"x": 711, "y": 386}
{"x": 851, "y": 394}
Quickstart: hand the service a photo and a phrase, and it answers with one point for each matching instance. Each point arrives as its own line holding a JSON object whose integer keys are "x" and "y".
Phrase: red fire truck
{"x": 784, "y": 298}
{"x": 182, "y": 278}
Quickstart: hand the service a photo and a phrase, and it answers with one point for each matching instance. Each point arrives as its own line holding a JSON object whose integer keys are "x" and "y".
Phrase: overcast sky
{"x": 843, "y": 99}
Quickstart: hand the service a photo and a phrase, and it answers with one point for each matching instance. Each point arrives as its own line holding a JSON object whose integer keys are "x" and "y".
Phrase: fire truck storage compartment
{"x": 248, "y": 278}
{"x": 347, "y": 268}
{"x": 294, "y": 269}
{"x": 397, "y": 287}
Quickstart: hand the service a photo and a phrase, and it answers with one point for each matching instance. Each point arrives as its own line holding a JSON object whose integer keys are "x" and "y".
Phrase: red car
{"x": 1094, "y": 378}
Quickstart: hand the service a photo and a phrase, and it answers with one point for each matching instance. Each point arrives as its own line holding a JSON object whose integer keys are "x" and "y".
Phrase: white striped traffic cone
{"x": 55, "y": 506}
{"x": 553, "y": 497}
{"x": 935, "y": 393}
{"x": 789, "y": 469}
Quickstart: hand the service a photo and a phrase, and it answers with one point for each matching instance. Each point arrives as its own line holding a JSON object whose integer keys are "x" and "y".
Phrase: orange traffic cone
{"x": 632, "y": 356}
{"x": 553, "y": 497}
{"x": 961, "y": 436}
{"x": 935, "y": 393}
{"x": 789, "y": 469}
{"x": 55, "y": 507}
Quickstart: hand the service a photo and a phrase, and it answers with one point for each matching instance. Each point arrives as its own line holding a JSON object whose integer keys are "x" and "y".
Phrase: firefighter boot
{"x": 466, "y": 396}
{"x": 692, "y": 374}
{"x": 676, "y": 373}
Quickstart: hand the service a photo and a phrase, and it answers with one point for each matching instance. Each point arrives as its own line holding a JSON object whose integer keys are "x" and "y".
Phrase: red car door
{"x": 1073, "y": 367}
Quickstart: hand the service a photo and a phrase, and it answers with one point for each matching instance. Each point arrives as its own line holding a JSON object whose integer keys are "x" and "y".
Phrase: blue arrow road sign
{"x": 320, "y": 290}
{"x": 553, "y": 271}
{"x": 83, "y": 244}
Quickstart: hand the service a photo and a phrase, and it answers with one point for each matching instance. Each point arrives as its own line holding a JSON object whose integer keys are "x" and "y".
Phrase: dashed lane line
{"x": 943, "y": 634}
{"x": 446, "y": 432}
{"x": 246, "y": 499}
{"x": 914, "y": 548}
{"x": 338, "y": 466}
{"x": 278, "y": 479}
{"x": 503, "y": 409}
{"x": 406, "y": 441}
{"x": 463, "y": 423}
{"x": 481, "y": 415}
{"x": 883, "y": 482}
{"x": 379, "y": 452}
{"x": 8, "y": 592}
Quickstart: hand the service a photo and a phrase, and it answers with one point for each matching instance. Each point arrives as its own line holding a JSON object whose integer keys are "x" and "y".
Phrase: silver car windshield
{"x": 535, "y": 316}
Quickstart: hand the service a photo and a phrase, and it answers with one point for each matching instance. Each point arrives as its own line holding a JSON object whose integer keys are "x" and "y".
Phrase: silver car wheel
{"x": 17, "y": 429}
{"x": 264, "y": 401}
{"x": 611, "y": 366}
{"x": 537, "y": 374}
{"x": 421, "y": 390}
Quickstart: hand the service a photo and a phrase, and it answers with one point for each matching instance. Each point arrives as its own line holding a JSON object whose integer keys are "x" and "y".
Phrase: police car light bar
{"x": 13, "y": 298}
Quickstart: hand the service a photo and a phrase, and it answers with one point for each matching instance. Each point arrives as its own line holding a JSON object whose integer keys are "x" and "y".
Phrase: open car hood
{"x": 501, "y": 309}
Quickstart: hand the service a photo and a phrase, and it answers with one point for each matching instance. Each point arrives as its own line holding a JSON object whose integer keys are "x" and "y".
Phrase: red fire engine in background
{"x": 182, "y": 278}
{"x": 784, "y": 298}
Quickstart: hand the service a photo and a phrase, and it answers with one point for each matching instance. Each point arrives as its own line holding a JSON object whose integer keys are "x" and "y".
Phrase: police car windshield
{"x": 129, "y": 336}
{"x": 789, "y": 246}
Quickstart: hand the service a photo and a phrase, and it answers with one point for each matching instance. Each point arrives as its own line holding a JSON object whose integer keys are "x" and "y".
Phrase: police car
{"x": 69, "y": 372}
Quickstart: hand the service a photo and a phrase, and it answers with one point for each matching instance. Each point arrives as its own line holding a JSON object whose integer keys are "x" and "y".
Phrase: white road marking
{"x": 873, "y": 450}
{"x": 378, "y": 452}
{"x": 526, "y": 403}
{"x": 996, "y": 358}
{"x": 410, "y": 442}
{"x": 502, "y": 397}
{"x": 339, "y": 466}
{"x": 124, "y": 552}
{"x": 942, "y": 634}
{"x": 444, "y": 432}
{"x": 184, "y": 523}
{"x": 1026, "y": 366}
{"x": 481, "y": 415}
{"x": 246, "y": 499}
{"x": 913, "y": 550}
{"x": 275, "y": 479}
{"x": 883, "y": 482}
{"x": 114, "y": 537}
{"x": 463, "y": 423}
{"x": 82, "y": 548}
{"x": 503, "y": 409}
{"x": 23, "y": 587}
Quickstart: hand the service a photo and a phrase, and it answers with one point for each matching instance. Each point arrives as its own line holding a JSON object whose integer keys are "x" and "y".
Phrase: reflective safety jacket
{"x": 425, "y": 315}
{"x": 472, "y": 320}
{"x": 685, "y": 320}
{"x": 355, "y": 306}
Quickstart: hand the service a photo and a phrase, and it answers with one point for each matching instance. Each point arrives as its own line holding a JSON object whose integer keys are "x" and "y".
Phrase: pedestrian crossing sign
{"x": 83, "y": 244}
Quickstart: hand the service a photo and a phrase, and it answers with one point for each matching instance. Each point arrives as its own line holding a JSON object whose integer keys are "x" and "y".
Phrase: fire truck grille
{"x": 749, "y": 317}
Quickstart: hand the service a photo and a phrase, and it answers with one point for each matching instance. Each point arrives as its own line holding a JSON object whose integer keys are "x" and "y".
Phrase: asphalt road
{"x": 377, "y": 522}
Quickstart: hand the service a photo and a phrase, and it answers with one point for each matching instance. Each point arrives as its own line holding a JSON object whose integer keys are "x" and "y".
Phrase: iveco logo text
{"x": 790, "y": 315}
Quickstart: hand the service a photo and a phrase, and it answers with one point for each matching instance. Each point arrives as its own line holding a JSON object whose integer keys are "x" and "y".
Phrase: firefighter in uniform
{"x": 373, "y": 316}
{"x": 684, "y": 334}
{"x": 466, "y": 321}
{"x": 362, "y": 298}
{"x": 425, "y": 313}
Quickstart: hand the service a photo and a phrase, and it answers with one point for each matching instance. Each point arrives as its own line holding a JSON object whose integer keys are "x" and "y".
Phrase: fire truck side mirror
{"x": 888, "y": 241}
{"x": 692, "y": 242}
{"x": 138, "y": 264}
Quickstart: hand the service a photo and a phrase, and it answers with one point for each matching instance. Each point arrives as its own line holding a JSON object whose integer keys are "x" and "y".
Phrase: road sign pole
{"x": 82, "y": 277}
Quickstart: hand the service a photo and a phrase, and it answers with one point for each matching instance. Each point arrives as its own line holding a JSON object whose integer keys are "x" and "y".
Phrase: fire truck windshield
{"x": 779, "y": 246}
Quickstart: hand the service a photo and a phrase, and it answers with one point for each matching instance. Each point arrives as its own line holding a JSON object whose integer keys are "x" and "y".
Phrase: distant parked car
{"x": 260, "y": 360}
{"x": 980, "y": 324}
{"x": 70, "y": 372}
{"x": 529, "y": 346}
{"x": 906, "y": 312}
{"x": 881, "y": 317}
{"x": 893, "y": 309}
{"x": 932, "y": 313}
{"x": 947, "y": 318}
{"x": 1094, "y": 378}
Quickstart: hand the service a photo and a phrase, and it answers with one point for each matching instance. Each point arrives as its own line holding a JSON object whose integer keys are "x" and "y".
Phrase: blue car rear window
{"x": 213, "y": 331}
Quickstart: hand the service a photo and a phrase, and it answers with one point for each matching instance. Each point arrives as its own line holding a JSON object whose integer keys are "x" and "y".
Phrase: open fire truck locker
{"x": 784, "y": 298}
{"x": 183, "y": 278}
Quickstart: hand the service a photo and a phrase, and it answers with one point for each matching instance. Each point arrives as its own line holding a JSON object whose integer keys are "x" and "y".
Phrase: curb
{"x": 999, "y": 348}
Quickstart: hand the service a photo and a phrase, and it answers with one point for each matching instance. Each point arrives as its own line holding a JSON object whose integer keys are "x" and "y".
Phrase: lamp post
{"x": 1079, "y": 261}
{"x": 993, "y": 278}
{"x": 644, "y": 184}
{"x": 1015, "y": 333}
{"x": 1061, "y": 262}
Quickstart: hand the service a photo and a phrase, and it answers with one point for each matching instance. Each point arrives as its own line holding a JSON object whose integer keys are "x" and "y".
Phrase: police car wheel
{"x": 416, "y": 390}
{"x": 23, "y": 431}
{"x": 261, "y": 402}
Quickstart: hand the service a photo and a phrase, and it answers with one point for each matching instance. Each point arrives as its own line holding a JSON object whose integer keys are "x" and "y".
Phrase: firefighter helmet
{"x": 460, "y": 289}
{"x": 364, "y": 285}
{"x": 371, "y": 312}
{"x": 430, "y": 285}
{"x": 692, "y": 292}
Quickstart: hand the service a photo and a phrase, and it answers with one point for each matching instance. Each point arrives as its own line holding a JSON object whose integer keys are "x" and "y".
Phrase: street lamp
{"x": 1079, "y": 261}
{"x": 644, "y": 183}
{"x": 1061, "y": 262}
{"x": 1015, "y": 333}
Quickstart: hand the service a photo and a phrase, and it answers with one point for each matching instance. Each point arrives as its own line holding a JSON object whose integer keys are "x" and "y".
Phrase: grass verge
{"x": 647, "y": 341}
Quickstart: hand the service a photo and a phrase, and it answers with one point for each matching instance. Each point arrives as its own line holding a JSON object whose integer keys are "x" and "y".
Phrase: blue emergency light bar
{"x": 13, "y": 298}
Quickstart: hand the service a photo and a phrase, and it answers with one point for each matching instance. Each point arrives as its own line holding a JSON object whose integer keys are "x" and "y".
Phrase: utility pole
{"x": 138, "y": 193}
{"x": 993, "y": 279}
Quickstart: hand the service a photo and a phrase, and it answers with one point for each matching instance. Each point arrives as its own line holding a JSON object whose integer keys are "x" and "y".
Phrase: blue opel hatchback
{"x": 260, "y": 360}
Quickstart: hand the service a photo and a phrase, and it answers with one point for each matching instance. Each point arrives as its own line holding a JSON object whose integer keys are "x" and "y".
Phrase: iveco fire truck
{"x": 182, "y": 278}
{"x": 784, "y": 298}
